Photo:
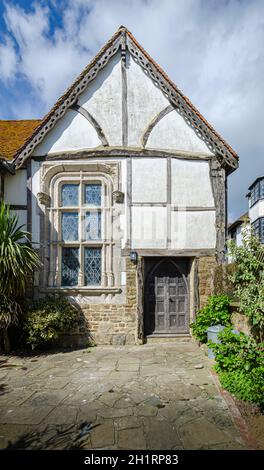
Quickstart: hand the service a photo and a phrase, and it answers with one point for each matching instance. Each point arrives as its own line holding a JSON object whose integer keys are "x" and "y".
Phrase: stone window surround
{"x": 81, "y": 209}
{"x": 53, "y": 176}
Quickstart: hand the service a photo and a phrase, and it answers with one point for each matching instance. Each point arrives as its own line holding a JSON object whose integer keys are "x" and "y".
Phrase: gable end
{"x": 182, "y": 105}
{"x": 124, "y": 40}
{"x": 69, "y": 99}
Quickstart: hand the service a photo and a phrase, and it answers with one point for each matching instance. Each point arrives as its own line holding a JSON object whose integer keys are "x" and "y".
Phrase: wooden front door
{"x": 166, "y": 300}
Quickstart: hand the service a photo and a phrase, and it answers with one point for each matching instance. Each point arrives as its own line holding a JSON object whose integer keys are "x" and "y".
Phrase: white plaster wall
{"x": 257, "y": 210}
{"x": 144, "y": 102}
{"x": 239, "y": 236}
{"x": 22, "y": 217}
{"x": 189, "y": 229}
{"x": 103, "y": 99}
{"x": 190, "y": 183}
{"x": 72, "y": 132}
{"x": 35, "y": 169}
{"x": 240, "y": 231}
{"x": 149, "y": 180}
{"x": 123, "y": 278}
{"x": 172, "y": 132}
{"x": 15, "y": 188}
{"x": 193, "y": 230}
{"x": 149, "y": 227}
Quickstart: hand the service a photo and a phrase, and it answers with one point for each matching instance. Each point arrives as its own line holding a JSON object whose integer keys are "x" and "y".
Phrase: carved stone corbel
{"x": 118, "y": 197}
{"x": 43, "y": 199}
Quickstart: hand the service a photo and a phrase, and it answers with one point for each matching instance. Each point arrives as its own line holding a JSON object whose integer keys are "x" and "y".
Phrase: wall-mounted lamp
{"x": 133, "y": 256}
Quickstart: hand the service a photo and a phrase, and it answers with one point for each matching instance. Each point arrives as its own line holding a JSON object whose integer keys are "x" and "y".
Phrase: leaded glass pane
{"x": 261, "y": 234}
{"x": 93, "y": 225}
{"x": 93, "y": 193}
{"x": 69, "y": 226}
{"x": 255, "y": 194}
{"x": 92, "y": 266}
{"x": 70, "y": 195}
{"x": 70, "y": 266}
{"x": 261, "y": 183}
{"x": 255, "y": 227}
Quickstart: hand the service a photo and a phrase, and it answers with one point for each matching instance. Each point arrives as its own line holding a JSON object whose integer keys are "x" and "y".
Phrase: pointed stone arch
{"x": 166, "y": 303}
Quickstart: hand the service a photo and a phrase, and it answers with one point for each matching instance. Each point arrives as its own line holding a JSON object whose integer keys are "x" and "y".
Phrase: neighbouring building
{"x": 253, "y": 219}
{"x": 238, "y": 227}
{"x": 123, "y": 186}
{"x": 256, "y": 207}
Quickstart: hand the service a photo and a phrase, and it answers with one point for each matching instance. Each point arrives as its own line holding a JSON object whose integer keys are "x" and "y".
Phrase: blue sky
{"x": 212, "y": 49}
{"x": 28, "y": 6}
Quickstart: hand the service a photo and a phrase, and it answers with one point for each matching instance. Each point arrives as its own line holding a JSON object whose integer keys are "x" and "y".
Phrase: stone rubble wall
{"x": 222, "y": 282}
{"x": 241, "y": 323}
{"x": 111, "y": 323}
{"x": 214, "y": 279}
{"x": 206, "y": 268}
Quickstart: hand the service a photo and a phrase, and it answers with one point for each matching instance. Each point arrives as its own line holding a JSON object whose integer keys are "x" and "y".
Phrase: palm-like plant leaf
{"x": 18, "y": 259}
{"x": 9, "y": 312}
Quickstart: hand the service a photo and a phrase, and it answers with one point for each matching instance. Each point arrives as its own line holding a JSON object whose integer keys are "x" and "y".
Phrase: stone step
{"x": 183, "y": 338}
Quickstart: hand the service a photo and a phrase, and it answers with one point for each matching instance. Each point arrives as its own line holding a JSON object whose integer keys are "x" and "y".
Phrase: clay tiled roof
{"x": 13, "y": 134}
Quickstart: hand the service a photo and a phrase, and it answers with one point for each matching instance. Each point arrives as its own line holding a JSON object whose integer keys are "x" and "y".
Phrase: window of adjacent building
{"x": 258, "y": 228}
{"x": 257, "y": 192}
{"x": 80, "y": 215}
{"x": 233, "y": 234}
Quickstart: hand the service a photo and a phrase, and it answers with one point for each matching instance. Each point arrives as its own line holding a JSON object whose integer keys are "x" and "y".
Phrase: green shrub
{"x": 247, "y": 386}
{"x": 248, "y": 280}
{"x": 18, "y": 261}
{"x": 236, "y": 351}
{"x": 240, "y": 364}
{"x": 46, "y": 319}
{"x": 215, "y": 312}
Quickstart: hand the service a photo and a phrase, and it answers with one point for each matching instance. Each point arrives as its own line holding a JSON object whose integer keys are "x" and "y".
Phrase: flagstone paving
{"x": 140, "y": 397}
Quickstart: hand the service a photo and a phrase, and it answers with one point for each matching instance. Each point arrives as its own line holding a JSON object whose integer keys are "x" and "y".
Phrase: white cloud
{"x": 47, "y": 63}
{"x": 8, "y": 59}
{"x": 213, "y": 50}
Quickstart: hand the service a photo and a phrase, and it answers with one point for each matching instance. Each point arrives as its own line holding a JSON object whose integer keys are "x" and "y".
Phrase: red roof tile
{"x": 13, "y": 134}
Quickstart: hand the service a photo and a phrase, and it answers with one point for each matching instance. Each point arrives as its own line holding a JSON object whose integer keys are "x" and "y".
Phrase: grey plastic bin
{"x": 212, "y": 334}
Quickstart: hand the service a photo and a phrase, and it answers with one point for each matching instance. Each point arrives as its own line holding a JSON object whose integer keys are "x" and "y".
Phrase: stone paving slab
{"x": 160, "y": 396}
